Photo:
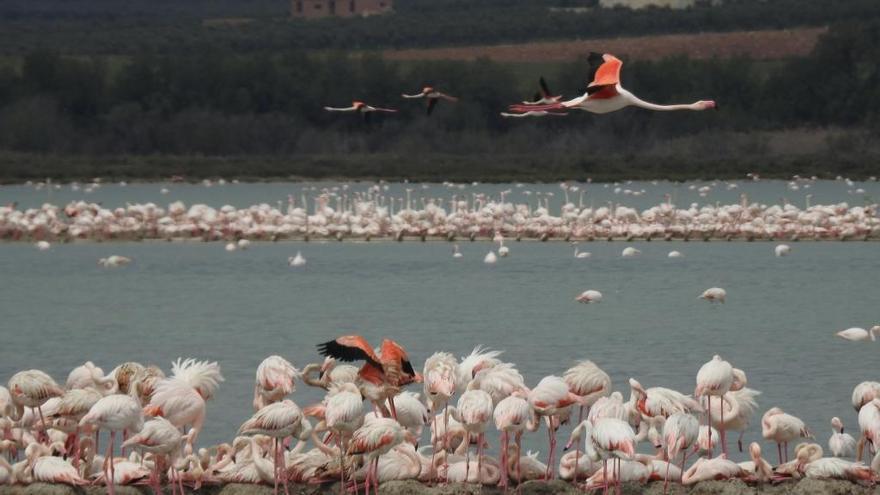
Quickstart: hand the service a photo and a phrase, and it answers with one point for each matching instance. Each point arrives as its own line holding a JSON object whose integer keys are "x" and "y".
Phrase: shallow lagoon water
{"x": 194, "y": 299}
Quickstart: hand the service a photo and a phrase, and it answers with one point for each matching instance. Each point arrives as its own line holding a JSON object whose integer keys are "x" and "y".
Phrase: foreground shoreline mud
{"x": 735, "y": 487}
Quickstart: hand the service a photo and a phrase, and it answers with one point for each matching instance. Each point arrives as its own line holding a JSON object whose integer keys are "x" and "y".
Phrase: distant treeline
{"x": 173, "y": 26}
{"x": 214, "y": 103}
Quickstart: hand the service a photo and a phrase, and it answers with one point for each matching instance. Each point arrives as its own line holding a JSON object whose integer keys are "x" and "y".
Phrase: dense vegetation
{"x": 267, "y": 107}
{"x": 173, "y": 26}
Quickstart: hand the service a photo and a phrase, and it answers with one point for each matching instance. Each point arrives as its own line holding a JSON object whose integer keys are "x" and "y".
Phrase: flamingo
{"x": 298, "y": 260}
{"x": 604, "y": 93}
{"x": 738, "y": 407}
{"x": 362, "y": 108}
{"x": 545, "y": 96}
{"x": 490, "y": 258}
{"x": 277, "y": 420}
{"x": 711, "y": 469}
{"x": 864, "y": 393}
{"x": 533, "y": 113}
{"x": 389, "y": 370}
{"x": 590, "y": 383}
{"x": 330, "y": 373}
{"x": 343, "y": 415}
{"x": 114, "y": 413}
{"x": 375, "y": 439}
{"x": 630, "y": 252}
{"x": 858, "y": 334}
{"x": 580, "y": 254}
{"x": 114, "y": 261}
{"x": 758, "y": 466}
{"x": 610, "y": 438}
{"x": 73, "y": 406}
{"x": 714, "y": 379}
{"x": 440, "y": 373}
{"x": 43, "y": 245}
{"x": 512, "y": 415}
{"x": 163, "y": 440}
{"x": 841, "y": 444}
{"x": 589, "y": 296}
{"x": 455, "y": 251}
{"x": 714, "y": 294}
{"x": 782, "y": 250}
{"x": 552, "y": 399}
{"x": 474, "y": 411}
{"x": 51, "y": 469}
{"x": 433, "y": 96}
{"x": 869, "y": 424}
{"x": 782, "y": 428}
{"x": 674, "y": 254}
{"x": 813, "y": 465}
{"x": 33, "y": 388}
{"x": 275, "y": 380}
{"x": 182, "y": 398}
{"x": 680, "y": 432}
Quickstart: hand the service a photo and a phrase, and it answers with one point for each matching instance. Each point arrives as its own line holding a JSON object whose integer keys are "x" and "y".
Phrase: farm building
{"x": 313, "y": 9}
{"x": 641, "y": 4}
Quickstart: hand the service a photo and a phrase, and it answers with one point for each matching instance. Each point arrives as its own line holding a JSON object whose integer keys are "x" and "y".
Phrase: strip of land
{"x": 760, "y": 45}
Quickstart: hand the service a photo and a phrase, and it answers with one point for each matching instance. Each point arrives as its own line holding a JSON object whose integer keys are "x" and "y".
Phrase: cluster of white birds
{"x": 372, "y": 214}
{"x": 57, "y": 427}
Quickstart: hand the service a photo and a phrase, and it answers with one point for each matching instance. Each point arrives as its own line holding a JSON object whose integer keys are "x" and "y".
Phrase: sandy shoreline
{"x": 735, "y": 487}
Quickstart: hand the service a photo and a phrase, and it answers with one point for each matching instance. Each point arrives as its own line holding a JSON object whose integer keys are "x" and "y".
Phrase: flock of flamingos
{"x": 367, "y": 430}
{"x": 339, "y": 212}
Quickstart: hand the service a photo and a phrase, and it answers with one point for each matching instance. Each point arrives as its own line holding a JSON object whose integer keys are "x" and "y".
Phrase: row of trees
{"x": 217, "y": 103}
{"x": 172, "y": 26}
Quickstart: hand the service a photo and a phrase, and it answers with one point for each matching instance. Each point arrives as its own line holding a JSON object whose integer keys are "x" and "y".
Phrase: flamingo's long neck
{"x": 638, "y": 102}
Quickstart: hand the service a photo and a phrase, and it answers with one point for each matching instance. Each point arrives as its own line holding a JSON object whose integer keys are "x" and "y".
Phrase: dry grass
{"x": 762, "y": 45}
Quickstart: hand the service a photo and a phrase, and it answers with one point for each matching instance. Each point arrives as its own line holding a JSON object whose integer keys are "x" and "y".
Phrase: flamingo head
{"x": 427, "y": 89}
{"x": 358, "y": 104}
{"x": 706, "y": 105}
{"x": 837, "y": 424}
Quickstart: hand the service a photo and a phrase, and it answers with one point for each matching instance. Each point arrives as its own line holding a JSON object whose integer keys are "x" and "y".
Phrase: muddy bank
{"x": 802, "y": 487}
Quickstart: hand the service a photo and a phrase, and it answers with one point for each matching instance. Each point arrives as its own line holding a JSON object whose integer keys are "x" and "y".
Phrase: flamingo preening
{"x": 432, "y": 96}
{"x": 604, "y": 93}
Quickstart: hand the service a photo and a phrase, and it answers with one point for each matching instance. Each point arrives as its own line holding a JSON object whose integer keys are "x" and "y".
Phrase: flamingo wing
{"x": 350, "y": 347}
{"x": 604, "y": 75}
{"x": 545, "y": 90}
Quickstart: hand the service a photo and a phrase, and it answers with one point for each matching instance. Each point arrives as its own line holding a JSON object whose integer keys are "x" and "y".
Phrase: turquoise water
{"x": 60, "y": 309}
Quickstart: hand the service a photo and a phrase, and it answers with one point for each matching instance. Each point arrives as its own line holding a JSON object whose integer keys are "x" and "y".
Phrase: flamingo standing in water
{"x": 433, "y": 96}
{"x": 389, "y": 370}
{"x": 604, "y": 93}
{"x": 362, "y": 108}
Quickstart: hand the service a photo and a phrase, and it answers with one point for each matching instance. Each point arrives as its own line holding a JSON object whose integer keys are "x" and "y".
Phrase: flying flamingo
{"x": 432, "y": 95}
{"x": 604, "y": 93}
{"x": 714, "y": 379}
{"x": 375, "y": 439}
{"x": 114, "y": 413}
{"x": 390, "y": 369}
{"x": 544, "y": 97}
{"x": 362, "y": 108}
{"x": 32, "y": 388}
{"x": 275, "y": 380}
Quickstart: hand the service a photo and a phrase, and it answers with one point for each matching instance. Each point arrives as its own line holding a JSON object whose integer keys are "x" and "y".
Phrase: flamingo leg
{"x": 480, "y": 458}
{"x": 721, "y": 429}
{"x": 124, "y": 438}
{"x": 605, "y": 476}
{"x": 683, "y": 460}
{"x": 739, "y": 441}
{"x": 709, "y": 410}
{"x": 44, "y": 435}
{"x": 666, "y": 477}
{"x": 393, "y": 410}
{"x": 467, "y": 466}
{"x": 275, "y": 464}
{"x": 342, "y": 464}
{"x": 577, "y": 451}
{"x": 111, "y": 480}
{"x": 785, "y": 451}
{"x": 376, "y": 475}
{"x": 779, "y": 451}
{"x": 503, "y": 481}
{"x": 518, "y": 458}
{"x": 446, "y": 441}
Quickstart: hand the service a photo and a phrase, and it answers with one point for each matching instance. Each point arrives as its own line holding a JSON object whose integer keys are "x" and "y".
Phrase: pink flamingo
{"x": 114, "y": 413}
{"x": 715, "y": 379}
